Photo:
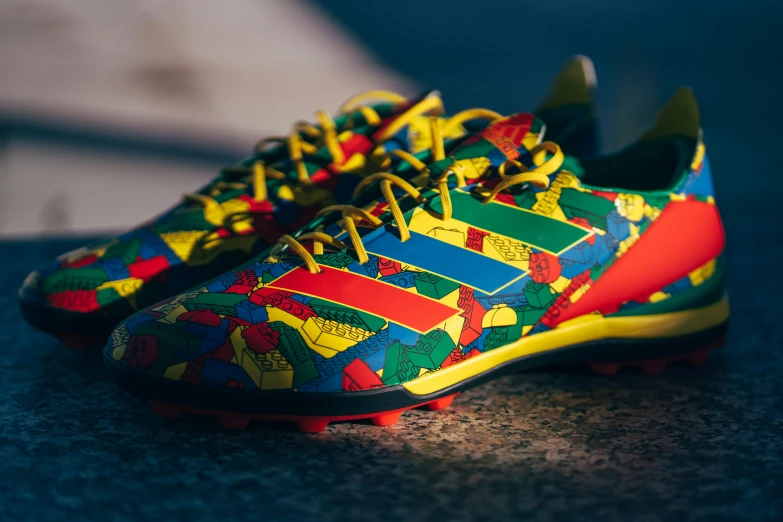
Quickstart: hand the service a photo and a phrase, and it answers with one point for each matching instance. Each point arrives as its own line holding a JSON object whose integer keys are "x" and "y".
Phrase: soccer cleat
{"x": 83, "y": 295}
{"x": 431, "y": 287}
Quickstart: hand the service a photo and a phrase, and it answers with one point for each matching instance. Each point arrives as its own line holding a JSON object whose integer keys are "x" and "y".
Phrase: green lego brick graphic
{"x": 187, "y": 343}
{"x": 189, "y": 220}
{"x": 106, "y": 296}
{"x": 526, "y": 199}
{"x": 538, "y": 295}
{"x": 223, "y": 304}
{"x": 585, "y": 205}
{"x": 434, "y": 286}
{"x": 346, "y": 315}
{"x": 528, "y": 315}
{"x": 431, "y": 350}
{"x": 296, "y": 352}
{"x": 74, "y": 279}
{"x": 127, "y": 251}
{"x": 398, "y": 366}
{"x": 339, "y": 260}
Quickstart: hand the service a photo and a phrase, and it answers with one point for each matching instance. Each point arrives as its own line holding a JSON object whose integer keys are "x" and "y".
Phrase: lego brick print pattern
{"x": 481, "y": 285}
{"x": 198, "y": 240}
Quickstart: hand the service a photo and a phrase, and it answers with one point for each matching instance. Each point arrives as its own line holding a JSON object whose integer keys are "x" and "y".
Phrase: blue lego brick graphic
{"x": 478, "y": 344}
{"x": 678, "y": 286}
{"x": 211, "y": 336}
{"x": 251, "y": 312}
{"x": 539, "y": 328}
{"x": 699, "y": 184}
{"x": 133, "y": 321}
{"x": 372, "y": 350}
{"x": 222, "y": 283}
{"x": 152, "y": 245}
{"x": 605, "y": 247}
{"x": 115, "y": 268}
{"x": 402, "y": 334}
{"x": 509, "y": 297}
{"x": 581, "y": 254}
{"x": 403, "y": 279}
{"x": 618, "y": 226}
{"x": 370, "y": 268}
{"x": 304, "y": 299}
{"x": 218, "y": 373}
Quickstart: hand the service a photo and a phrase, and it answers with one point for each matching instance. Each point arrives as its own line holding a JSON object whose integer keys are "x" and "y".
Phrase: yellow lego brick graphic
{"x": 276, "y": 314}
{"x": 560, "y": 284}
{"x": 579, "y": 292}
{"x": 699, "y": 157}
{"x": 426, "y": 223}
{"x": 452, "y": 237}
{"x": 234, "y": 206}
{"x": 328, "y": 338}
{"x": 182, "y": 242}
{"x": 453, "y": 326}
{"x": 658, "y": 296}
{"x": 630, "y": 206}
{"x": 548, "y": 200}
{"x": 238, "y": 342}
{"x": 171, "y": 316}
{"x": 175, "y": 371}
{"x": 420, "y": 133}
{"x": 501, "y": 315}
{"x": 270, "y": 371}
{"x": 124, "y": 287}
{"x": 511, "y": 251}
{"x": 119, "y": 341}
{"x": 702, "y": 273}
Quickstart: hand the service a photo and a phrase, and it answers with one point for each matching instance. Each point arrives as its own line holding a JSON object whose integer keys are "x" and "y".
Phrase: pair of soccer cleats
{"x": 392, "y": 257}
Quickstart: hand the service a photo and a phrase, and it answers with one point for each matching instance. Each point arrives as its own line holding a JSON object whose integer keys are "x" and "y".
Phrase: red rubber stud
{"x": 443, "y": 402}
{"x": 311, "y": 425}
{"x": 234, "y": 422}
{"x": 604, "y": 368}
{"x": 387, "y": 419}
{"x": 166, "y": 410}
{"x": 653, "y": 367}
{"x": 700, "y": 357}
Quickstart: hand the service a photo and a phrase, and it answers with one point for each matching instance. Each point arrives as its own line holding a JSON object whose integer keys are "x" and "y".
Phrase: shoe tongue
{"x": 510, "y": 138}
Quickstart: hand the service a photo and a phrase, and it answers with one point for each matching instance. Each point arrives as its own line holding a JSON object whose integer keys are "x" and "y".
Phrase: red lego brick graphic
{"x": 388, "y": 267}
{"x": 146, "y": 269}
{"x": 473, "y": 313}
{"x": 81, "y": 261}
{"x": 553, "y": 315}
{"x": 246, "y": 281}
{"x": 205, "y": 317}
{"x": 357, "y": 376}
{"x": 476, "y": 239}
{"x": 79, "y": 300}
{"x": 261, "y": 338}
{"x": 544, "y": 267}
{"x": 457, "y": 356}
{"x": 141, "y": 351}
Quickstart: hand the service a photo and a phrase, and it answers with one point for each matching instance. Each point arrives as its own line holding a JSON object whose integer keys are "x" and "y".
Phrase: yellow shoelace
{"x": 538, "y": 176}
{"x": 327, "y": 135}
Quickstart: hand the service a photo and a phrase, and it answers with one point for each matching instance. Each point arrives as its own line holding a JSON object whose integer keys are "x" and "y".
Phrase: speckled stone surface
{"x": 560, "y": 444}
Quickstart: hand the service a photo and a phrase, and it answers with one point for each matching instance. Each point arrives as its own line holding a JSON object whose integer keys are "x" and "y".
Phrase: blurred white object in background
{"x": 197, "y": 73}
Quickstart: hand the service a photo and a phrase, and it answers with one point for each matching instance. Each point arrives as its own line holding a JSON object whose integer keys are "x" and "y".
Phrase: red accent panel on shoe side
{"x": 685, "y": 236}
